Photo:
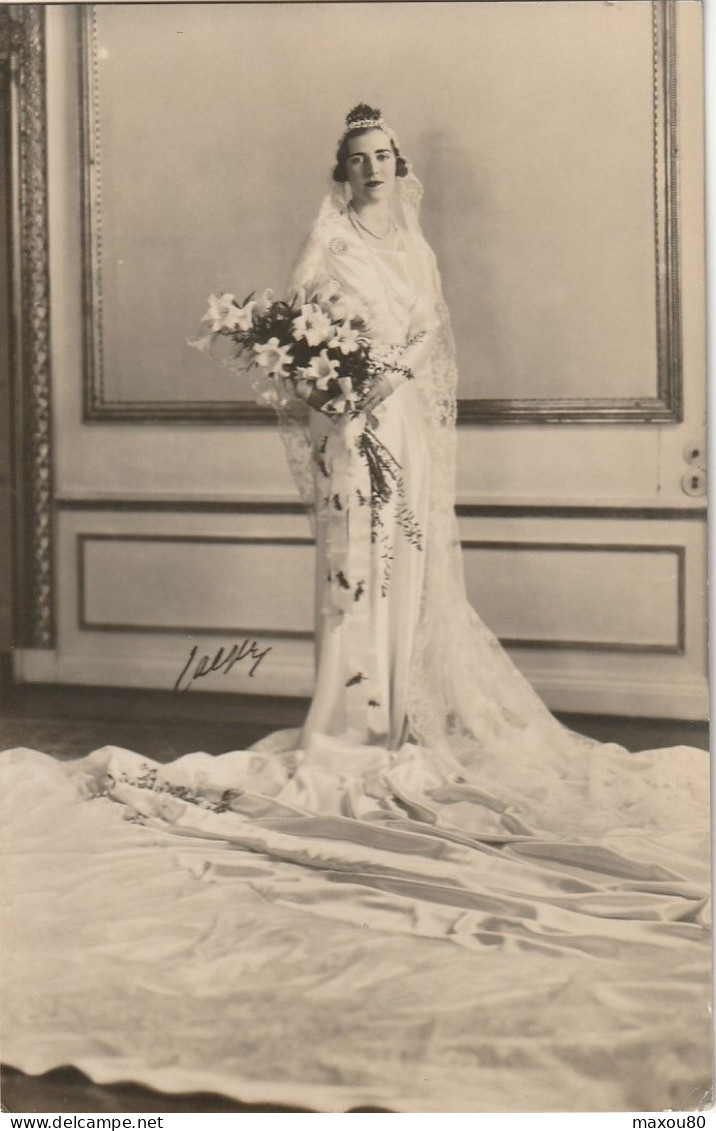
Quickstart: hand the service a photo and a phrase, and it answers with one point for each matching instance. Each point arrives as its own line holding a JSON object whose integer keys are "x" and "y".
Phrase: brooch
{"x": 338, "y": 246}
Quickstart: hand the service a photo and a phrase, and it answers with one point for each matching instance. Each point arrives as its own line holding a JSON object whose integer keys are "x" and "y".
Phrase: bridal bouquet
{"x": 312, "y": 341}
{"x": 319, "y": 341}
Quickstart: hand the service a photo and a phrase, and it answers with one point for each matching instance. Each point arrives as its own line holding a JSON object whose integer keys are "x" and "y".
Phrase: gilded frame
{"x": 665, "y": 407}
{"x": 22, "y": 49}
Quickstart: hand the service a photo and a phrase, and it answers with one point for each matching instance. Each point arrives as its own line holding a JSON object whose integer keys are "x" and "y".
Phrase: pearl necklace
{"x": 354, "y": 216}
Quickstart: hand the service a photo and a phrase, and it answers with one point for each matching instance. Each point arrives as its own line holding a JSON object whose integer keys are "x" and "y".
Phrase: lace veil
{"x": 466, "y": 696}
{"x": 294, "y": 414}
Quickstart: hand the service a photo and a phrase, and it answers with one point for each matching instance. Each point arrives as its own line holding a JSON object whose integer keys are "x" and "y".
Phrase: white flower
{"x": 221, "y": 347}
{"x": 203, "y": 344}
{"x": 330, "y": 296}
{"x": 242, "y": 317}
{"x": 344, "y": 338}
{"x": 263, "y": 304}
{"x": 321, "y": 370}
{"x": 273, "y": 356}
{"x": 221, "y": 312}
{"x": 336, "y": 304}
{"x": 312, "y": 324}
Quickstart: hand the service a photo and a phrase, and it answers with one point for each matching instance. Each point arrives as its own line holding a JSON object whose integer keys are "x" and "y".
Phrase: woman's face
{"x": 371, "y": 167}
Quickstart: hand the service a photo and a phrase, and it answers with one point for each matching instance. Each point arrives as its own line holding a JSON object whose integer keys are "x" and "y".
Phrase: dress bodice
{"x": 394, "y": 285}
{"x": 404, "y": 282}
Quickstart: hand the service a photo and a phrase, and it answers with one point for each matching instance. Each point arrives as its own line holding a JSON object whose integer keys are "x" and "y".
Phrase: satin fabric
{"x": 397, "y": 278}
{"x": 347, "y": 926}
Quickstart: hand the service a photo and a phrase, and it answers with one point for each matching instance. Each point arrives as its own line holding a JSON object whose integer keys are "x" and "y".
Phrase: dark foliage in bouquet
{"x": 318, "y": 340}
{"x": 322, "y": 341}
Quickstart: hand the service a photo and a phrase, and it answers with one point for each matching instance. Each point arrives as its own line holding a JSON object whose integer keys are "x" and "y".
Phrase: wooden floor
{"x": 70, "y": 722}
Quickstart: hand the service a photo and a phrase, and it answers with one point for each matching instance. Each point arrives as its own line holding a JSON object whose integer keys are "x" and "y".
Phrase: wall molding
{"x": 581, "y": 692}
{"x": 664, "y": 407}
{"x": 84, "y": 624}
{"x": 678, "y": 648}
{"x": 287, "y": 679}
{"x": 504, "y": 509}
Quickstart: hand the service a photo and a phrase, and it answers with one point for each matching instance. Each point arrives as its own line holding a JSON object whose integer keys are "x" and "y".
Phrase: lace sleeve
{"x": 294, "y": 416}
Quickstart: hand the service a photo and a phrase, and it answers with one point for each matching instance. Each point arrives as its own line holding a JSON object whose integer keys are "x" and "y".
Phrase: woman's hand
{"x": 380, "y": 389}
{"x": 313, "y": 396}
{"x": 317, "y": 398}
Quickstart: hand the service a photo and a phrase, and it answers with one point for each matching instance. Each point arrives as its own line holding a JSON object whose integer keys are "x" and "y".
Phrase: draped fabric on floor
{"x": 345, "y": 926}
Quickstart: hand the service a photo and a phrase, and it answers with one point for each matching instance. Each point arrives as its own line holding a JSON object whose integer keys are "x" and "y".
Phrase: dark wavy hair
{"x": 361, "y": 112}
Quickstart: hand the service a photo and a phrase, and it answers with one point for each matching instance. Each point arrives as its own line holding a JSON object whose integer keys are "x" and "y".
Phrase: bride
{"x": 431, "y": 897}
{"x": 400, "y": 652}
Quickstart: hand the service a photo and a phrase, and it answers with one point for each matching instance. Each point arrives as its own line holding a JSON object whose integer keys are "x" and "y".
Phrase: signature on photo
{"x": 222, "y": 661}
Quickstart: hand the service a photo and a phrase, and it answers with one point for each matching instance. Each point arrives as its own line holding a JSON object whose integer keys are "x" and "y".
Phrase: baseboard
{"x": 578, "y": 694}
{"x": 625, "y": 698}
{"x": 292, "y": 679}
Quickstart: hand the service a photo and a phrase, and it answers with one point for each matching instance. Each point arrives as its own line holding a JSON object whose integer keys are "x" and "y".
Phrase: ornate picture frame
{"x": 22, "y": 52}
{"x": 665, "y": 406}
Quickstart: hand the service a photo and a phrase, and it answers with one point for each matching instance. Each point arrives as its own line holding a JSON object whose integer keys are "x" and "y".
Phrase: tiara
{"x": 361, "y": 123}
{"x": 370, "y": 124}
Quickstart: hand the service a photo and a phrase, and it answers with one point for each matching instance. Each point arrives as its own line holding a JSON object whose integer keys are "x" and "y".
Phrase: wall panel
{"x": 637, "y": 589}
{"x": 195, "y": 583}
{"x": 601, "y": 614}
{"x": 582, "y": 548}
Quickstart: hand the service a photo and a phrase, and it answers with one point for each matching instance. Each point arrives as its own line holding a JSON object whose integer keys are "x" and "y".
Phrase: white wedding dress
{"x": 372, "y": 636}
{"x": 432, "y": 897}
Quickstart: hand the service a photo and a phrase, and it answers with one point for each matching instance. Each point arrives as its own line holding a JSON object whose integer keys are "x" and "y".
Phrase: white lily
{"x": 242, "y": 318}
{"x": 221, "y": 312}
{"x": 263, "y": 304}
{"x": 312, "y": 324}
{"x": 273, "y": 356}
{"x": 345, "y": 338}
{"x": 322, "y": 370}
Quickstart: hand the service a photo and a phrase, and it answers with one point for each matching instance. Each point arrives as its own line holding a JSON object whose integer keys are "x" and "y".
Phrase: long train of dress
{"x": 347, "y": 926}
